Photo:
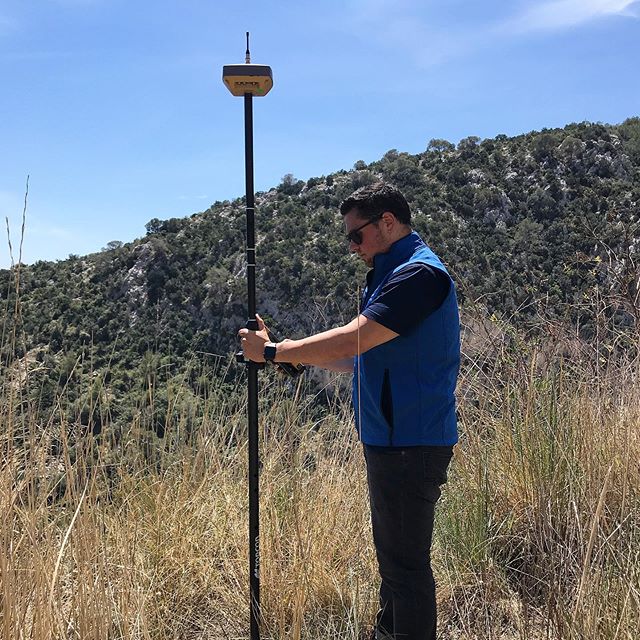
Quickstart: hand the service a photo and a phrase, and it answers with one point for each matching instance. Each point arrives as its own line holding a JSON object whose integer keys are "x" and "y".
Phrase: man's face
{"x": 372, "y": 243}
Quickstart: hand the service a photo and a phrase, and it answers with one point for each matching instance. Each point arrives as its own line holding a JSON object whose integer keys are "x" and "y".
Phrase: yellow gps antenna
{"x": 248, "y": 80}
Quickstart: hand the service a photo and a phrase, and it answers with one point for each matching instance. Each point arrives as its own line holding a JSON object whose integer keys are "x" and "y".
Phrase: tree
{"x": 468, "y": 146}
{"x": 153, "y": 226}
{"x": 290, "y": 186}
{"x": 630, "y": 134}
{"x": 113, "y": 245}
{"x": 440, "y": 145}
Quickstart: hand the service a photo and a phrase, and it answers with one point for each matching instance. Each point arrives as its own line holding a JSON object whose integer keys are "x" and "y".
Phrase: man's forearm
{"x": 335, "y": 346}
{"x": 322, "y": 349}
{"x": 335, "y": 349}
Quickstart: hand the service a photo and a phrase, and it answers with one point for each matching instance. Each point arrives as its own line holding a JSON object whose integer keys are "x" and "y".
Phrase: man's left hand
{"x": 252, "y": 342}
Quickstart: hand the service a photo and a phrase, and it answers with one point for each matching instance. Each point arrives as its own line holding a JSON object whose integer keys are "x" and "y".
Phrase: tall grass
{"x": 547, "y": 478}
{"x": 538, "y": 532}
{"x": 155, "y": 545}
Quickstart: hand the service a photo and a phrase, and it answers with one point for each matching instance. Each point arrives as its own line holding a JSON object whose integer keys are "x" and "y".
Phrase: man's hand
{"x": 252, "y": 342}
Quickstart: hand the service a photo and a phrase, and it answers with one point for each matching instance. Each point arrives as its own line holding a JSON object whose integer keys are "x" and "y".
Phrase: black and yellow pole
{"x": 250, "y": 80}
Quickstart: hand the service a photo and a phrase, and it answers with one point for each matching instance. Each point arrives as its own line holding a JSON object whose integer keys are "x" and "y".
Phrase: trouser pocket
{"x": 435, "y": 462}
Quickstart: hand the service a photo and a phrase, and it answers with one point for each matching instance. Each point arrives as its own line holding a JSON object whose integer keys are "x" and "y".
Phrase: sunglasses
{"x": 355, "y": 236}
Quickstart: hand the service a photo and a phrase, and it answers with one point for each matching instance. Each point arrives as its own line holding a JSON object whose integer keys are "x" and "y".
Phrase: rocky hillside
{"x": 535, "y": 226}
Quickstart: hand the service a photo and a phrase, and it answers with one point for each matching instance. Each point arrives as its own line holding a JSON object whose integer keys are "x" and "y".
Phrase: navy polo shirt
{"x": 408, "y": 297}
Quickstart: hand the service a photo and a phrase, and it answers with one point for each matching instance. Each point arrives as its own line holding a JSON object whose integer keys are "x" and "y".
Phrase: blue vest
{"x": 405, "y": 392}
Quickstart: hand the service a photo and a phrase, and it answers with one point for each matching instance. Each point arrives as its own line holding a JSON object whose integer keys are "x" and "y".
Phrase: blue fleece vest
{"x": 405, "y": 395}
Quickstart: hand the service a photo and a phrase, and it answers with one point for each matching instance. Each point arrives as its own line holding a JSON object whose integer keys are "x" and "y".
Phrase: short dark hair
{"x": 373, "y": 200}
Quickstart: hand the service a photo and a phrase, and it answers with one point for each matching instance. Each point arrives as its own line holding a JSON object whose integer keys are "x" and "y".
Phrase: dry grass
{"x": 156, "y": 547}
{"x": 538, "y": 530}
{"x": 539, "y": 526}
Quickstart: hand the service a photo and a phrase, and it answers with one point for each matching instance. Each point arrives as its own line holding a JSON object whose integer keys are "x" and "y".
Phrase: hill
{"x": 534, "y": 227}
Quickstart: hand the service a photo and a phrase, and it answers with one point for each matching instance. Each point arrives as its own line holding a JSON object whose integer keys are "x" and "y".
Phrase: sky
{"x": 116, "y": 113}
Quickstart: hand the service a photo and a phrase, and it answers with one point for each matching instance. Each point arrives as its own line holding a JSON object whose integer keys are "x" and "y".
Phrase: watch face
{"x": 270, "y": 352}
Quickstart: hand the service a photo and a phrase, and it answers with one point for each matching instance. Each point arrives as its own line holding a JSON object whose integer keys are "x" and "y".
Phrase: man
{"x": 404, "y": 351}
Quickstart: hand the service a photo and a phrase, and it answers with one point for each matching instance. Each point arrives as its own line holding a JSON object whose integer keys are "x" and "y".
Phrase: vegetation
{"x": 123, "y": 430}
{"x": 534, "y": 227}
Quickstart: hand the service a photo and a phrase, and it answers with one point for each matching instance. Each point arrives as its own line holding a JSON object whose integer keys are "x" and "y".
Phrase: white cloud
{"x": 412, "y": 26}
{"x": 560, "y": 14}
{"x": 403, "y": 25}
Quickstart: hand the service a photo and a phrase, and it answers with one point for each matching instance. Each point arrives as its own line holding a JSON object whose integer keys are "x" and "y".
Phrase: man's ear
{"x": 389, "y": 220}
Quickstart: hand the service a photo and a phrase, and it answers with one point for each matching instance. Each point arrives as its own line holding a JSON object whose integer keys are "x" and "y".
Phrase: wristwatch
{"x": 269, "y": 351}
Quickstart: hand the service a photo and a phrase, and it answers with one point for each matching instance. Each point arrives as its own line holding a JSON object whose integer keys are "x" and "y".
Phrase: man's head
{"x": 375, "y": 216}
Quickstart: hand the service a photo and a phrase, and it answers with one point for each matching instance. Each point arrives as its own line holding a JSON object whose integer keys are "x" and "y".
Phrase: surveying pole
{"x": 250, "y": 80}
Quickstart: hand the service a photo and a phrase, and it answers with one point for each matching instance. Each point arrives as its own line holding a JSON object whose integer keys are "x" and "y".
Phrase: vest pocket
{"x": 386, "y": 404}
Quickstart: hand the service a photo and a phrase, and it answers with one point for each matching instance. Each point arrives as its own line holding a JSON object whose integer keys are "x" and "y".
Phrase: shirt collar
{"x": 398, "y": 253}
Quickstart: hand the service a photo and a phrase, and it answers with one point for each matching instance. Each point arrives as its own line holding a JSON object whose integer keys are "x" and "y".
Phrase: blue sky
{"x": 117, "y": 112}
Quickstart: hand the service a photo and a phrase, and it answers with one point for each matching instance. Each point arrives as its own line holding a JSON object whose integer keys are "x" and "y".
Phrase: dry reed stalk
{"x": 590, "y": 545}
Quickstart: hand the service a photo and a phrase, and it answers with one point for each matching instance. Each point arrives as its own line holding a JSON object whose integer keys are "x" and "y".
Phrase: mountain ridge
{"x": 531, "y": 226}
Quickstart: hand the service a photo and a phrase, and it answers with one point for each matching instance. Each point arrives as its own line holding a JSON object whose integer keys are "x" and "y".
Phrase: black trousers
{"x": 404, "y": 486}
